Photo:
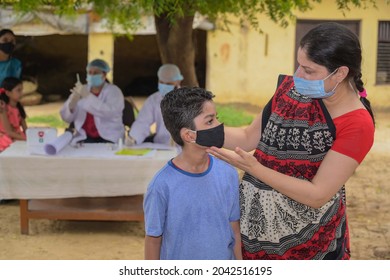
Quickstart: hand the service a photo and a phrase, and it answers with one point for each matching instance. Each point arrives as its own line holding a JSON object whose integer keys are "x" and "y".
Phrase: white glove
{"x": 129, "y": 141}
{"x": 73, "y": 99}
{"x": 84, "y": 92}
{"x": 80, "y": 90}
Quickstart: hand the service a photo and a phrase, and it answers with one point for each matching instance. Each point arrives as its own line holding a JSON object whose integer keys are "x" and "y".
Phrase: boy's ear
{"x": 187, "y": 135}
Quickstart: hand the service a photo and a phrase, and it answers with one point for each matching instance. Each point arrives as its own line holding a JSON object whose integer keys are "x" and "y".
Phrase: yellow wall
{"x": 242, "y": 66}
{"x": 101, "y": 45}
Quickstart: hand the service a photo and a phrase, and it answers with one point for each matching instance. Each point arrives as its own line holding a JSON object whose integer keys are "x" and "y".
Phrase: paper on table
{"x": 149, "y": 145}
{"x": 58, "y": 144}
{"x": 133, "y": 152}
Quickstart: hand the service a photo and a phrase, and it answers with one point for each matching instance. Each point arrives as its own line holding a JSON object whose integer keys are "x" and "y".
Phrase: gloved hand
{"x": 84, "y": 92}
{"x": 73, "y": 99}
{"x": 129, "y": 141}
{"x": 80, "y": 90}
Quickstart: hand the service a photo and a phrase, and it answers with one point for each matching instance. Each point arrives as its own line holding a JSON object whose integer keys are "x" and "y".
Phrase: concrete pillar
{"x": 101, "y": 45}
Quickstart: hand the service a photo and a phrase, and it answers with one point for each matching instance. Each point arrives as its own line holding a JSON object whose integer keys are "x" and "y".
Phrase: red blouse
{"x": 89, "y": 125}
{"x": 354, "y": 134}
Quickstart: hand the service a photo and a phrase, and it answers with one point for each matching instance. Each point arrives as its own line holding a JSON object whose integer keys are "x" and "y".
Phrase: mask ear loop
{"x": 333, "y": 90}
{"x": 331, "y": 74}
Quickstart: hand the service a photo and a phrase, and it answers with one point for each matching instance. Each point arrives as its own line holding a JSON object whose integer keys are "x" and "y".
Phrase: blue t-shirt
{"x": 193, "y": 212}
{"x": 10, "y": 68}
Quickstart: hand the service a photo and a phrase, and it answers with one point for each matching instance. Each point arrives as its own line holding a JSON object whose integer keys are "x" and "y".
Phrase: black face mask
{"x": 211, "y": 137}
{"x": 7, "y": 48}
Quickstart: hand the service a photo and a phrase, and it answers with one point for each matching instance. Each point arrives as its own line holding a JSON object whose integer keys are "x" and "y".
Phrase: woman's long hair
{"x": 9, "y": 84}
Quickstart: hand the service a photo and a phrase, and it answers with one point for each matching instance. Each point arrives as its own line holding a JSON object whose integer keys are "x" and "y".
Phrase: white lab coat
{"x": 149, "y": 114}
{"x": 107, "y": 111}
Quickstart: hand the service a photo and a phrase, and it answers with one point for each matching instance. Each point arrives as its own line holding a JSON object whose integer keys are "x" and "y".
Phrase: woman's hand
{"x": 238, "y": 158}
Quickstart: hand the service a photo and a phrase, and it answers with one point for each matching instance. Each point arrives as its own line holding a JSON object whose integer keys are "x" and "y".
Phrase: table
{"x": 86, "y": 183}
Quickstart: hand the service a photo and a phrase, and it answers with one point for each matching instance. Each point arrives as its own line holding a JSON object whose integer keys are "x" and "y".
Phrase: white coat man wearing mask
{"x": 96, "y": 108}
{"x": 169, "y": 78}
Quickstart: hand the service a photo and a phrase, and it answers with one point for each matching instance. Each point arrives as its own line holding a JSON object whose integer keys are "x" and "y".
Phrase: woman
{"x": 12, "y": 114}
{"x": 9, "y": 66}
{"x": 309, "y": 140}
{"x": 95, "y": 109}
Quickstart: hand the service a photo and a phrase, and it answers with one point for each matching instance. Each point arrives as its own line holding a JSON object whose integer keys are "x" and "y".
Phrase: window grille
{"x": 383, "y": 58}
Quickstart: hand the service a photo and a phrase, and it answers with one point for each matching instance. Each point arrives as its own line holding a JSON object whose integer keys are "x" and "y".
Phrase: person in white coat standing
{"x": 169, "y": 78}
{"x": 95, "y": 109}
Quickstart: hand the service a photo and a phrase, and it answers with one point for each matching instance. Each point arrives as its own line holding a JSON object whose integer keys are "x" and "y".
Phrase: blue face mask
{"x": 95, "y": 80}
{"x": 164, "y": 89}
{"x": 313, "y": 88}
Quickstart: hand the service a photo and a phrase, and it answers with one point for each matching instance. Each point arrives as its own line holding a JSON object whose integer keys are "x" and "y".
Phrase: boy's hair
{"x": 9, "y": 84}
{"x": 179, "y": 108}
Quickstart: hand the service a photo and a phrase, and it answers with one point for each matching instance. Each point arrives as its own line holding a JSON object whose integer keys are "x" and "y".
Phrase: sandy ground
{"x": 368, "y": 197}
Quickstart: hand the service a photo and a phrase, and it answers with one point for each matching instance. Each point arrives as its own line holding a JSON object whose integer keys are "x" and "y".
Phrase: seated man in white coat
{"x": 169, "y": 78}
{"x": 95, "y": 109}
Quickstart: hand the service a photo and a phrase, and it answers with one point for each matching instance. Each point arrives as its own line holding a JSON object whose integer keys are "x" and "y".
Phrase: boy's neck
{"x": 192, "y": 160}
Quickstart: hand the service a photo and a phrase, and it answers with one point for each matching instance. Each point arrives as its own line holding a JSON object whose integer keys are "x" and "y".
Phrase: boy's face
{"x": 208, "y": 118}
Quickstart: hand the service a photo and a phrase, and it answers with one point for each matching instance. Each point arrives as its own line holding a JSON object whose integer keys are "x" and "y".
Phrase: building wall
{"x": 101, "y": 45}
{"x": 243, "y": 66}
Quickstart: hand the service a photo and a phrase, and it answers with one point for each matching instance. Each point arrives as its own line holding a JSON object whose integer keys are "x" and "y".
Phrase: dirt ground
{"x": 368, "y": 197}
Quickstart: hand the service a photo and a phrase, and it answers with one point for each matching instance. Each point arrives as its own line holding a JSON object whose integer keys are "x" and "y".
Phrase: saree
{"x": 297, "y": 132}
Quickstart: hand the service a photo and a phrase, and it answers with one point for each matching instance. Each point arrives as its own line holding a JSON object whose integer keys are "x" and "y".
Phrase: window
{"x": 383, "y": 59}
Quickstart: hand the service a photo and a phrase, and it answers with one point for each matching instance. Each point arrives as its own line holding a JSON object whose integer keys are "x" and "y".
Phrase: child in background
{"x": 192, "y": 204}
{"x": 12, "y": 115}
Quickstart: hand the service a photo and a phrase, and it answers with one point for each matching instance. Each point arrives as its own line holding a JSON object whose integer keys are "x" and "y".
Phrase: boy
{"x": 192, "y": 204}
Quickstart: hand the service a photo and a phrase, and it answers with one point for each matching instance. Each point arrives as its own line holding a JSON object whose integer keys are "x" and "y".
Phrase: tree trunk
{"x": 176, "y": 45}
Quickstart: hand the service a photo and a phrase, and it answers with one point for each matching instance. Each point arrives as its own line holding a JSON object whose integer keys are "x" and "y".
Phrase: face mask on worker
{"x": 164, "y": 88}
{"x": 211, "y": 137}
{"x": 313, "y": 88}
{"x": 7, "y": 48}
{"x": 95, "y": 80}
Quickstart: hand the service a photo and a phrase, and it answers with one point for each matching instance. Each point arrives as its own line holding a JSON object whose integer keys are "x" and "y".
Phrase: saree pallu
{"x": 297, "y": 132}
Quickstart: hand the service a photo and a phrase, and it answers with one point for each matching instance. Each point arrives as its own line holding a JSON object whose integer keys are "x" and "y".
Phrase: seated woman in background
{"x": 95, "y": 109}
{"x": 12, "y": 115}
{"x": 9, "y": 66}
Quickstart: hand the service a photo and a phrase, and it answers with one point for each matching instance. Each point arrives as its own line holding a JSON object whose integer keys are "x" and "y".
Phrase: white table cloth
{"x": 92, "y": 170}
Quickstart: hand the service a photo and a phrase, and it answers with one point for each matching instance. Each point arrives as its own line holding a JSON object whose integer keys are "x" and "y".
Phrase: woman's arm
{"x": 109, "y": 105}
{"x": 247, "y": 138}
{"x": 332, "y": 174}
{"x": 140, "y": 129}
{"x": 237, "y": 236}
{"x": 24, "y": 125}
{"x": 152, "y": 247}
